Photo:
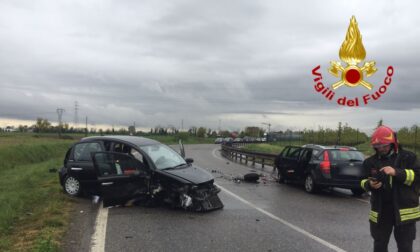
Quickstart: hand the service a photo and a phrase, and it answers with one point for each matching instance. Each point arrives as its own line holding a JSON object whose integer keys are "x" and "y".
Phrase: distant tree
{"x": 201, "y": 132}
{"x": 42, "y": 125}
{"x": 339, "y": 132}
{"x": 183, "y": 136}
{"x": 23, "y": 128}
{"x": 224, "y": 133}
{"x": 252, "y": 131}
{"x": 193, "y": 131}
{"x": 66, "y": 127}
{"x": 122, "y": 131}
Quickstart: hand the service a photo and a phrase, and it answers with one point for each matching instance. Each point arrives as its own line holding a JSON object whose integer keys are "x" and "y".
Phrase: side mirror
{"x": 189, "y": 160}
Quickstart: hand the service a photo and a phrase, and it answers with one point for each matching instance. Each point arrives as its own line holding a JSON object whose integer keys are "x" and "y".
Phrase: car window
{"x": 315, "y": 153}
{"x": 117, "y": 164}
{"x": 163, "y": 156}
{"x": 121, "y": 147}
{"x": 293, "y": 152}
{"x": 305, "y": 154}
{"x": 82, "y": 151}
{"x": 345, "y": 155}
{"x": 137, "y": 155}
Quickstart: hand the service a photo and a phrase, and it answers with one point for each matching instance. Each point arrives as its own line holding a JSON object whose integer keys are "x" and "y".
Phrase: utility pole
{"x": 76, "y": 116}
{"x": 60, "y": 112}
{"x": 269, "y": 125}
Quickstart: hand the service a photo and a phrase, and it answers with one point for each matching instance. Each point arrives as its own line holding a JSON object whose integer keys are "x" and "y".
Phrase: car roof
{"x": 139, "y": 141}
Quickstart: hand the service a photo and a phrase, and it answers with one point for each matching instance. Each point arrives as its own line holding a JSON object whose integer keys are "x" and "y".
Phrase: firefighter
{"x": 393, "y": 179}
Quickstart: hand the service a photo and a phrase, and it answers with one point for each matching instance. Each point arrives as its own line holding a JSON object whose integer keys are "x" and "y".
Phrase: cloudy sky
{"x": 204, "y": 63}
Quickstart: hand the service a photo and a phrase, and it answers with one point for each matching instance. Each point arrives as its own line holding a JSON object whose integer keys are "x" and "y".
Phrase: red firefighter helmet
{"x": 384, "y": 135}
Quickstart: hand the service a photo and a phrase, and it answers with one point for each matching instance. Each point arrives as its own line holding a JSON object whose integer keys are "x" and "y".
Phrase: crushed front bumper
{"x": 206, "y": 199}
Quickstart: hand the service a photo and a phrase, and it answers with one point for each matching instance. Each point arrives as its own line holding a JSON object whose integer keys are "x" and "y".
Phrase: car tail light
{"x": 325, "y": 165}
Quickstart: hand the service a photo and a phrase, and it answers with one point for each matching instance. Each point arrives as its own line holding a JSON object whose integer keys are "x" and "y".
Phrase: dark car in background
{"x": 322, "y": 166}
{"x": 122, "y": 168}
{"x": 218, "y": 140}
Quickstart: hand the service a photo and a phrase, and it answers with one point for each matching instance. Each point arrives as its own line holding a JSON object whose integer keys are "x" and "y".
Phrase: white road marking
{"x": 97, "y": 242}
{"x": 214, "y": 155}
{"x": 362, "y": 200}
{"x": 298, "y": 229}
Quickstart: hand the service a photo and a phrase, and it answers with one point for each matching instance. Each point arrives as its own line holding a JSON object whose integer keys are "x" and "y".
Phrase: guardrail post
{"x": 253, "y": 160}
{"x": 262, "y": 163}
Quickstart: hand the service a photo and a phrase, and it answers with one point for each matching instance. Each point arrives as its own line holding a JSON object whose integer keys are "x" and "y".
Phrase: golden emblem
{"x": 352, "y": 52}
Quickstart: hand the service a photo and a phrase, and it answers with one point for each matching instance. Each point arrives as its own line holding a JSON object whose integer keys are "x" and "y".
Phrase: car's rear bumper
{"x": 348, "y": 184}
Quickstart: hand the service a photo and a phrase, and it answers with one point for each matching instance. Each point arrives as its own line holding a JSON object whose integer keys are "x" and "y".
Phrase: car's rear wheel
{"x": 72, "y": 186}
{"x": 357, "y": 192}
{"x": 310, "y": 185}
{"x": 280, "y": 177}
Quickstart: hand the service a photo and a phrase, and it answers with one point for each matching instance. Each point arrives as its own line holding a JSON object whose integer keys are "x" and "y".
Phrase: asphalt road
{"x": 257, "y": 217}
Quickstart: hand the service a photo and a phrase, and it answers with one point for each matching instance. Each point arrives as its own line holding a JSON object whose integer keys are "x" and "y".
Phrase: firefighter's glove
{"x": 374, "y": 184}
{"x": 388, "y": 170}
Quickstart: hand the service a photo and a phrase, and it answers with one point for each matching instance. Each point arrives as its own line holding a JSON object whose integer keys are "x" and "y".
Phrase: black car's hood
{"x": 192, "y": 174}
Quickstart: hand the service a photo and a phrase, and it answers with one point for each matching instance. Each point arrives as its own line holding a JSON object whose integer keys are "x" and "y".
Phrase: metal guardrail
{"x": 234, "y": 153}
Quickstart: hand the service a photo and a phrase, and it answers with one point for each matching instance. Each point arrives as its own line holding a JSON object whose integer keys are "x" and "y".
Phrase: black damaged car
{"x": 123, "y": 168}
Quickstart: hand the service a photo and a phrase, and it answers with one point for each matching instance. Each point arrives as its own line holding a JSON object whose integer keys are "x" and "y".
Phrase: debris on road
{"x": 251, "y": 177}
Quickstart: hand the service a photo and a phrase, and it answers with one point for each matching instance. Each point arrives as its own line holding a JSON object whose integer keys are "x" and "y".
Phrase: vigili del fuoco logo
{"x": 350, "y": 74}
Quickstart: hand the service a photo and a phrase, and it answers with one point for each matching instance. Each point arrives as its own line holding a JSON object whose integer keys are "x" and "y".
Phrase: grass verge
{"x": 34, "y": 212}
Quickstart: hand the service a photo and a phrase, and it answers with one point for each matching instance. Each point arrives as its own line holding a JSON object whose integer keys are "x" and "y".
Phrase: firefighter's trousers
{"x": 404, "y": 234}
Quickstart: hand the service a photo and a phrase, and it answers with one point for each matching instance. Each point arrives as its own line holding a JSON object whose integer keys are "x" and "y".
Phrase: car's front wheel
{"x": 310, "y": 185}
{"x": 72, "y": 186}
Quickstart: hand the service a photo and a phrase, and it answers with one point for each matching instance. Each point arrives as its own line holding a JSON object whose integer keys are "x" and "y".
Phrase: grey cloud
{"x": 158, "y": 62}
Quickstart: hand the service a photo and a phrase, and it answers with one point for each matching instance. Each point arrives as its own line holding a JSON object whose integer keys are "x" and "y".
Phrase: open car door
{"x": 291, "y": 162}
{"x": 121, "y": 177}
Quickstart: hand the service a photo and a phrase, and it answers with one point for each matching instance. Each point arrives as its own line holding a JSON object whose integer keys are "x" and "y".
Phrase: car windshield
{"x": 163, "y": 156}
{"x": 346, "y": 155}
